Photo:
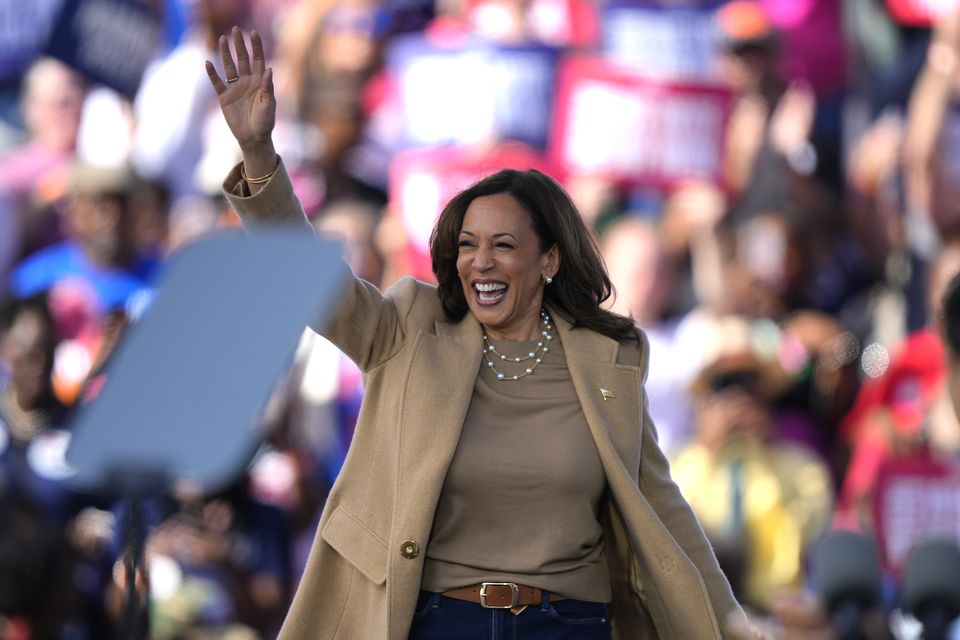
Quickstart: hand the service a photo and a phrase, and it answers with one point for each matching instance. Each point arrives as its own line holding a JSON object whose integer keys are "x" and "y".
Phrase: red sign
{"x": 919, "y": 12}
{"x": 917, "y": 498}
{"x": 611, "y": 120}
{"x": 422, "y": 181}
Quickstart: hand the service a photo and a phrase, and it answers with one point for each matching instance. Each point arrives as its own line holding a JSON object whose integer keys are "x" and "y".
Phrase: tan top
{"x": 521, "y": 498}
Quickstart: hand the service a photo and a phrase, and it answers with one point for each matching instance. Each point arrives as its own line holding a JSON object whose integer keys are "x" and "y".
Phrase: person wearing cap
{"x": 99, "y": 249}
{"x": 504, "y": 478}
{"x": 771, "y": 119}
{"x": 760, "y": 501}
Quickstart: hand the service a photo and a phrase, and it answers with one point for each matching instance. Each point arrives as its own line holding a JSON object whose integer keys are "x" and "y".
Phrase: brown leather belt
{"x": 501, "y": 595}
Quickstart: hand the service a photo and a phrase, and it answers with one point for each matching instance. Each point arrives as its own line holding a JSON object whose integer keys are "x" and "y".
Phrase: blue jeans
{"x": 440, "y": 618}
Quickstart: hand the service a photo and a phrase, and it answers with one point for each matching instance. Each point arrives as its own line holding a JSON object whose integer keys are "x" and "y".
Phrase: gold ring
{"x": 231, "y": 80}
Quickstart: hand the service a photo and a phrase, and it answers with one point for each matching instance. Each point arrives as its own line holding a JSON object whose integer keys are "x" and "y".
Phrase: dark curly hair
{"x": 580, "y": 286}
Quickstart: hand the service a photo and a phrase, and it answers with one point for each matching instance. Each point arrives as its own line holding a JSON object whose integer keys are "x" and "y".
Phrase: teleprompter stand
{"x": 186, "y": 385}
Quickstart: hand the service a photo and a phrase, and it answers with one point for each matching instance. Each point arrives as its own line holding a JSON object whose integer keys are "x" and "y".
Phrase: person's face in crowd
{"x": 502, "y": 266}
{"x": 350, "y": 36}
{"x": 826, "y": 377}
{"x": 53, "y": 105}
{"x": 98, "y": 222}
{"x": 28, "y": 348}
{"x": 768, "y": 266}
{"x": 731, "y": 409}
{"x": 149, "y": 214}
{"x": 749, "y": 68}
{"x": 340, "y": 124}
{"x": 641, "y": 273}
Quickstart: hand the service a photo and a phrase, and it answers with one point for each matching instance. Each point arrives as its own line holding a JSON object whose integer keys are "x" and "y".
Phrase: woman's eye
{"x": 504, "y": 245}
{"x": 464, "y": 243}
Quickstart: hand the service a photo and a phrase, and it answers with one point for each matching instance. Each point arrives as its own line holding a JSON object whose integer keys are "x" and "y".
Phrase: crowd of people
{"x": 786, "y": 259}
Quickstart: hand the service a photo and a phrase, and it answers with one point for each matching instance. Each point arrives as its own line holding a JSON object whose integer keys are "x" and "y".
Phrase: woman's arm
{"x": 927, "y": 112}
{"x": 665, "y": 498}
{"x": 366, "y": 325}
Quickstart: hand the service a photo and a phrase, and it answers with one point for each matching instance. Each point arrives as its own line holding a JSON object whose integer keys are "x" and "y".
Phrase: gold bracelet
{"x": 261, "y": 180}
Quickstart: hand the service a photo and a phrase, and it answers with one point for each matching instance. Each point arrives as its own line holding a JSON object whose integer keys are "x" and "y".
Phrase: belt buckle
{"x": 513, "y": 588}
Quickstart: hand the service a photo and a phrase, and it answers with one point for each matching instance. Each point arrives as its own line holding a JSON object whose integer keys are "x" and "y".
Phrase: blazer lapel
{"x": 611, "y": 395}
{"x": 440, "y": 386}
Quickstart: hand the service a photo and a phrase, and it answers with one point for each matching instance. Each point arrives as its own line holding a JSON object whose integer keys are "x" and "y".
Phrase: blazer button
{"x": 409, "y": 549}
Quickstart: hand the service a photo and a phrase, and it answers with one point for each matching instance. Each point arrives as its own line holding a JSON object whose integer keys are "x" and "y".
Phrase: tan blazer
{"x": 363, "y": 575}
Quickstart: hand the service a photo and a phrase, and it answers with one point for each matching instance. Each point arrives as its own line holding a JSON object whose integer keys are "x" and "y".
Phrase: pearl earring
{"x": 548, "y": 280}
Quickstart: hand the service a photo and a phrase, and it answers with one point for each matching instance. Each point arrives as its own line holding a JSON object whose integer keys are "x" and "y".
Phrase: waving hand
{"x": 247, "y": 100}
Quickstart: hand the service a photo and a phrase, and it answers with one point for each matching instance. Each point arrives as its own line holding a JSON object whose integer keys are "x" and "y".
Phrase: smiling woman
{"x": 502, "y": 268}
{"x": 528, "y": 224}
{"x": 504, "y": 479}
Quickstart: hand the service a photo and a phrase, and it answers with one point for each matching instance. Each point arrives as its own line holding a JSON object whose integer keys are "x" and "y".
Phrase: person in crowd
{"x": 33, "y": 482}
{"x": 100, "y": 248}
{"x": 95, "y": 272}
{"x": 643, "y": 277}
{"x": 33, "y": 174}
{"x": 51, "y": 102}
{"x": 171, "y": 135}
{"x": 503, "y": 474}
{"x": 749, "y": 65}
{"x": 219, "y": 564}
{"x": 329, "y": 63}
{"x": 932, "y": 162}
{"x": 761, "y": 501}
{"x": 820, "y": 357}
{"x": 34, "y": 574}
{"x": 903, "y": 405}
{"x": 31, "y": 416}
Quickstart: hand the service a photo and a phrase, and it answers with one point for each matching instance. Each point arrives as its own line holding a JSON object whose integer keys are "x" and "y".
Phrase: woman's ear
{"x": 552, "y": 265}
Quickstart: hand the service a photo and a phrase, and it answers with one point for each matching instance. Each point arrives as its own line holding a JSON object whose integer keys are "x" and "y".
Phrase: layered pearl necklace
{"x": 491, "y": 354}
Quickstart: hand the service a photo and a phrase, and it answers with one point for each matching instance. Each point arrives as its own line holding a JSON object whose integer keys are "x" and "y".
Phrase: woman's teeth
{"x": 490, "y": 292}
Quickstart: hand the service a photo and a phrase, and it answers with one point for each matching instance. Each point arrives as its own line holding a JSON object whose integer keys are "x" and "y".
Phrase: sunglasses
{"x": 749, "y": 48}
{"x": 749, "y": 381}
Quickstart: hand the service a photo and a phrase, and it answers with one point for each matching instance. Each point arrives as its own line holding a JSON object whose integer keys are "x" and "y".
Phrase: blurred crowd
{"x": 781, "y": 218}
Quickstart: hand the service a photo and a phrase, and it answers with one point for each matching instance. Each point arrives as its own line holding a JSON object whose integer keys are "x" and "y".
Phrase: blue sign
{"x": 667, "y": 39}
{"x": 24, "y": 30}
{"x": 109, "y": 41}
{"x": 475, "y": 93}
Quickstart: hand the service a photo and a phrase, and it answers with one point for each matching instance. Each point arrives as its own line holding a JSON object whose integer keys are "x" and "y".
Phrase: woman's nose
{"x": 482, "y": 258}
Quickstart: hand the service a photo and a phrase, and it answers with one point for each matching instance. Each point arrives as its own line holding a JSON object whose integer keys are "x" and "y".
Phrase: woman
{"x": 503, "y": 476}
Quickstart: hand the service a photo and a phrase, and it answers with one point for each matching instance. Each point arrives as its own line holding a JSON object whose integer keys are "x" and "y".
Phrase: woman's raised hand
{"x": 246, "y": 94}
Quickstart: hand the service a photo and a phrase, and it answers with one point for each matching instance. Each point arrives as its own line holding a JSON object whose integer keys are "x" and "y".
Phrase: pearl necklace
{"x": 536, "y": 355}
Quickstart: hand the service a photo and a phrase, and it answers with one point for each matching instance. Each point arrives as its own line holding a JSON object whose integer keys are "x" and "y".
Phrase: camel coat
{"x": 363, "y": 575}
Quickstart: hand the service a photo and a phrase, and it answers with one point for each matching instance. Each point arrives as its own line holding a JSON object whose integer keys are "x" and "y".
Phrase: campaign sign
{"x": 611, "y": 120}
{"x": 917, "y": 498}
{"x": 24, "y": 29}
{"x": 919, "y": 13}
{"x": 668, "y": 39}
{"x": 473, "y": 93}
{"x": 558, "y": 23}
{"x": 422, "y": 181}
{"x": 109, "y": 41}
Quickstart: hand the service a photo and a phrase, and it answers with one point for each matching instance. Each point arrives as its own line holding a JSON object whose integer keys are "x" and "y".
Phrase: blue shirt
{"x": 114, "y": 286}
